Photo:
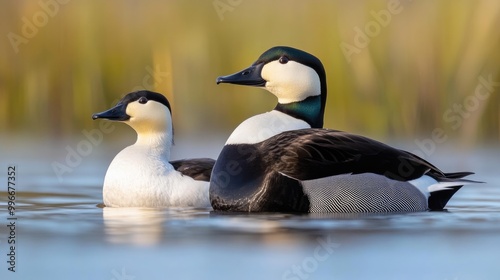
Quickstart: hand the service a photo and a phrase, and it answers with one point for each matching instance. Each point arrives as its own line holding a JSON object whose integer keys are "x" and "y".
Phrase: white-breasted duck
{"x": 285, "y": 161}
{"x": 141, "y": 175}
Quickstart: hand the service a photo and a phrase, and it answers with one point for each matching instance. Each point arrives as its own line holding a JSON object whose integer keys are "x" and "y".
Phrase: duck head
{"x": 295, "y": 77}
{"x": 145, "y": 111}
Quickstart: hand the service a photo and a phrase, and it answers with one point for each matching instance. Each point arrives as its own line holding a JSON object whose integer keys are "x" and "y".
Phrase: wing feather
{"x": 197, "y": 168}
{"x": 316, "y": 153}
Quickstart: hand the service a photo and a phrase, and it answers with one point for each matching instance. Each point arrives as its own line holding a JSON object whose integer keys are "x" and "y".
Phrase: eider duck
{"x": 285, "y": 161}
{"x": 141, "y": 175}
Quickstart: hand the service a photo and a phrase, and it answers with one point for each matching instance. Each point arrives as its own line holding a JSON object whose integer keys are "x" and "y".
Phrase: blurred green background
{"x": 414, "y": 66}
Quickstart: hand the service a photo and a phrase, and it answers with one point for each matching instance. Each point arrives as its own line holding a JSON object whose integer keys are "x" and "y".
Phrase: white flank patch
{"x": 427, "y": 184}
{"x": 423, "y": 184}
{"x": 261, "y": 127}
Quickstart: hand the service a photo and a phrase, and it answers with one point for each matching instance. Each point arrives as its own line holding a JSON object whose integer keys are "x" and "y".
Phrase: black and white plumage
{"x": 284, "y": 161}
{"x": 196, "y": 168}
{"x": 141, "y": 175}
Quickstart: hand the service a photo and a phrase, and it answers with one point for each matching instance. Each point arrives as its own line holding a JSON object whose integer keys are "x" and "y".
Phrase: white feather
{"x": 427, "y": 184}
{"x": 423, "y": 183}
{"x": 261, "y": 127}
{"x": 141, "y": 175}
{"x": 291, "y": 82}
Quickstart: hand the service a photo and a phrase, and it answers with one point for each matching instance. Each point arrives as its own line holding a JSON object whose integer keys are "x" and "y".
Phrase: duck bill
{"x": 117, "y": 113}
{"x": 247, "y": 77}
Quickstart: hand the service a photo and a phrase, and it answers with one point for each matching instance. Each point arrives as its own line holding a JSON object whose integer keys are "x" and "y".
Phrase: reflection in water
{"x": 137, "y": 226}
{"x": 57, "y": 219}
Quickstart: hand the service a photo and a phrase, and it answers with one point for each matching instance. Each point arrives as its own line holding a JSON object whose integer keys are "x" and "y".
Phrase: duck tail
{"x": 446, "y": 187}
{"x": 457, "y": 175}
{"x": 438, "y": 199}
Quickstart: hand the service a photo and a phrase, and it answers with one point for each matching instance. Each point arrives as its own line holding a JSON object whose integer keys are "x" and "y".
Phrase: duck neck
{"x": 306, "y": 110}
{"x": 158, "y": 142}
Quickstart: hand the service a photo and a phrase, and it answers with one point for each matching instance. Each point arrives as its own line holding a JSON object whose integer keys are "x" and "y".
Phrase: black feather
{"x": 308, "y": 154}
{"x": 197, "y": 168}
{"x": 438, "y": 199}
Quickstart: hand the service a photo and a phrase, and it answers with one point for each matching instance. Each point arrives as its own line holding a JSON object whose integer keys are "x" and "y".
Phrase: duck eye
{"x": 284, "y": 59}
{"x": 143, "y": 100}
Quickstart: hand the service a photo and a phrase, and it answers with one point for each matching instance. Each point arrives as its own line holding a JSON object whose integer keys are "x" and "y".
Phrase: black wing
{"x": 316, "y": 153}
{"x": 197, "y": 168}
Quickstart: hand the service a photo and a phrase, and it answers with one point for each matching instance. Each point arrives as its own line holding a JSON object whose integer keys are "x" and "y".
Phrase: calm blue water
{"x": 62, "y": 234}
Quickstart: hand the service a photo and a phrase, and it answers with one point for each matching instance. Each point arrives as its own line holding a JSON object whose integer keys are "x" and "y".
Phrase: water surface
{"x": 61, "y": 233}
